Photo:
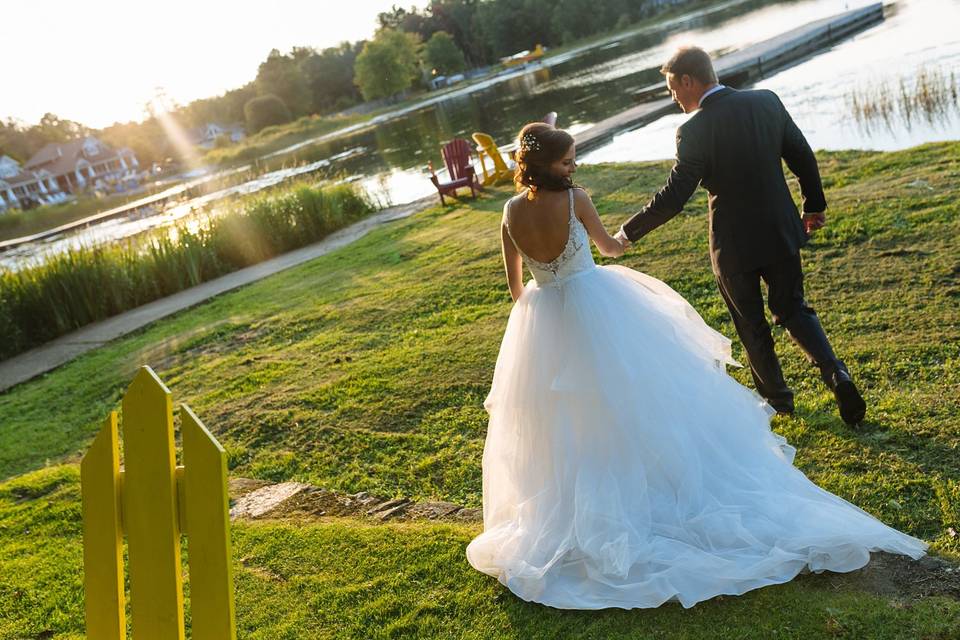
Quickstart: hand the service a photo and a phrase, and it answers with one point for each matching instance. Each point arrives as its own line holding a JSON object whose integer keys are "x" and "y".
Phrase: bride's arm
{"x": 583, "y": 207}
{"x": 512, "y": 261}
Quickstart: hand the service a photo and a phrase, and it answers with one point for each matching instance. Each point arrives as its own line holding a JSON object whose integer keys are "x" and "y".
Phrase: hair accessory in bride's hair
{"x": 529, "y": 142}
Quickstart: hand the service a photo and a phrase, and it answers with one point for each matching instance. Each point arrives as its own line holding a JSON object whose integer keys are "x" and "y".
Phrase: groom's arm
{"x": 803, "y": 164}
{"x": 684, "y": 179}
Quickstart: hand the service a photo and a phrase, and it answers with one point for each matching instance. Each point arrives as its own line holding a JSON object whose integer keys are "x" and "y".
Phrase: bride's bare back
{"x": 540, "y": 227}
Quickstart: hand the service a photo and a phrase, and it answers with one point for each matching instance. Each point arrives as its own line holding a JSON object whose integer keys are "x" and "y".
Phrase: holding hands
{"x": 814, "y": 221}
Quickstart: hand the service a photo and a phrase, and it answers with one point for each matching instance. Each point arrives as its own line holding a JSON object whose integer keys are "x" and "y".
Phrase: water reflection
{"x": 917, "y": 36}
{"x": 584, "y": 85}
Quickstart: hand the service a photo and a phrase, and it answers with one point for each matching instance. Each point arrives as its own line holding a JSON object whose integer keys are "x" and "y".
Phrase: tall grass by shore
{"x": 84, "y": 285}
{"x": 931, "y": 94}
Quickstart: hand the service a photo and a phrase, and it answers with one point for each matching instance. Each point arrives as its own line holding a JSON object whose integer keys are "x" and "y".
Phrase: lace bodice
{"x": 575, "y": 257}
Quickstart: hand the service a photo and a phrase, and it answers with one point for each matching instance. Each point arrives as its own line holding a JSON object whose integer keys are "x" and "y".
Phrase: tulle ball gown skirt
{"x": 624, "y": 468}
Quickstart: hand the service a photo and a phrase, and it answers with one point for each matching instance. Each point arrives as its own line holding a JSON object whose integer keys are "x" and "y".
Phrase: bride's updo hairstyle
{"x": 538, "y": 146}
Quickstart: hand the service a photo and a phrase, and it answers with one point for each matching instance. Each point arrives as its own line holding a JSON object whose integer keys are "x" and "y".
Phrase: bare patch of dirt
{"x": 903, "y": 578}
{"x": 255, "y": 499}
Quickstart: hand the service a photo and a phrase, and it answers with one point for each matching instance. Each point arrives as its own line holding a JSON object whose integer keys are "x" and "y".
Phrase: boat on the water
{"x": 524, "y": 57}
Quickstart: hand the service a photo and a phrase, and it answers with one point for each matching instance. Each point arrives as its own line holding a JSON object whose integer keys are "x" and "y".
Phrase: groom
{"x": 733, "y": 145}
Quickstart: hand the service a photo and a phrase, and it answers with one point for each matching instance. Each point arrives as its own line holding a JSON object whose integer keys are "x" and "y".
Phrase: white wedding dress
{"x": 624, "y": 468}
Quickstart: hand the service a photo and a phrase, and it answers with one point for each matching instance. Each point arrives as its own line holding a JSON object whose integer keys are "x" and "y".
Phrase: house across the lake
{"x": 206, "y": 136}
{"x": 61, "y": 169}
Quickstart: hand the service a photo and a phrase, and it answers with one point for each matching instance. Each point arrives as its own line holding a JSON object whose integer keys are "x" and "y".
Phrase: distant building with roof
{"x": 206, "y": 136}
{"x": 60, "y": 169}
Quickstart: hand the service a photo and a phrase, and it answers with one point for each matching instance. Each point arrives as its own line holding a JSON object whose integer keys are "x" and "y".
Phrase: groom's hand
{"x": 814, "y": 221}
{"x": 621, "y": 237}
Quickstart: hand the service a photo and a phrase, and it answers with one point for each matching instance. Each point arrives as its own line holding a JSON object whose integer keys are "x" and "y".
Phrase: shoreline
{"x": 46, "y": 357}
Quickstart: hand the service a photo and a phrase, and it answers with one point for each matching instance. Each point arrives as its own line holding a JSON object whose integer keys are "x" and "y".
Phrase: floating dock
{"x": 155, "y": 201}
{"x": 738, "y": 69}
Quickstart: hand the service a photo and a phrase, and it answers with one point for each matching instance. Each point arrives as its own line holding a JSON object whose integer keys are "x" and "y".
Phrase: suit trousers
{"x": 784, "y": 279}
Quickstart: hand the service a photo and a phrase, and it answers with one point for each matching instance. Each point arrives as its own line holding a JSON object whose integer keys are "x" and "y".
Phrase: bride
{"x": 622, "y": 466}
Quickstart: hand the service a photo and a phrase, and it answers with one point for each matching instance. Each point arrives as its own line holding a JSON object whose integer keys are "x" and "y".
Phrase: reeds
{"x": 80, "y": 286}
{"x": 930, "y": 95}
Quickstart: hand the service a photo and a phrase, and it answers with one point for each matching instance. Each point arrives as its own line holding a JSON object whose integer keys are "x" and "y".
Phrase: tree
{"x": 280, "y": 75}
{"x": 55, "y": 129}
{"x": 387, "y": 65}
{"x": 263, "y": 111}
{"x": 16, "y": 142}
{"x": 399, "y": 19}
{"x": 509, "y": 26}
{"x": 224, "y": 109}
{"x": 148, "y": 140}
{"x": 575, "y": 19}
{"x": 329, "y": 75}
{"x": 442, "y": 55}
{"x": 459, "y": 19}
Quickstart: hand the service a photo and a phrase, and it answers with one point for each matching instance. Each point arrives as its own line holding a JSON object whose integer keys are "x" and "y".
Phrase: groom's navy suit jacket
{"x": 732, "y": 146}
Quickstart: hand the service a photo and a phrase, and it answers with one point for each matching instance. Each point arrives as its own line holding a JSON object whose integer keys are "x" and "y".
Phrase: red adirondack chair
{"x": 456, "y": 156}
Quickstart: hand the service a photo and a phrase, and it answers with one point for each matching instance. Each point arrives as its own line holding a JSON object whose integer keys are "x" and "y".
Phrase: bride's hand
{"x": 621, "y": 237}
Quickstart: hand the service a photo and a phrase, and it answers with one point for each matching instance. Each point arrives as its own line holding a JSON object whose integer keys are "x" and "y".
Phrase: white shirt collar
{"x": 710, "y": 91}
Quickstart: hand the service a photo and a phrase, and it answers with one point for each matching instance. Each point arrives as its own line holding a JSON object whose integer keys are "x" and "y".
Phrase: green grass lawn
{"x": 366, "y": 369}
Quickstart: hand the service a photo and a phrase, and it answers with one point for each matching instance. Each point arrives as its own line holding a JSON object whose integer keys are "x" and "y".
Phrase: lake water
{"x": 389, "y": 156}
{"x": 915, "y": 35}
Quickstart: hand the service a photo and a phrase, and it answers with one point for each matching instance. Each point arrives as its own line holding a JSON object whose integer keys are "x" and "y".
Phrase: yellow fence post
{"x": 149, "y": 501}
{"x": 102, "y": 537}
{"x": 150, "y": 510}
{"x": 208, "y": 530}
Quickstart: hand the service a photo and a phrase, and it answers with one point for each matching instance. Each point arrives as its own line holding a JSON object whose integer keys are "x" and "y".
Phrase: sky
{"x": 99, "y": 61}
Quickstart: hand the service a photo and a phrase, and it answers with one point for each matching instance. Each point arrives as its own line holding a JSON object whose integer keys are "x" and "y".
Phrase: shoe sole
{"x": 851, "y": 403}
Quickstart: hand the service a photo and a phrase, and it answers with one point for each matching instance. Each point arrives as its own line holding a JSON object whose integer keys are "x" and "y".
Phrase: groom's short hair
{"x": 692, "y": 61}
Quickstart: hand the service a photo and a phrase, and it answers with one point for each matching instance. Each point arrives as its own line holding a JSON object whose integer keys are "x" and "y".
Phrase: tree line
{"x": 409, "y": 48}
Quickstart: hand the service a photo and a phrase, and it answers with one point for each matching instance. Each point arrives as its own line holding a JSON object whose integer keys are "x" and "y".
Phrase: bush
{"x": 263, "y": 111}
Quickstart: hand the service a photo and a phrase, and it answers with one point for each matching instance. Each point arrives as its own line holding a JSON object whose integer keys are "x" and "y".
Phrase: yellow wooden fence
{"x": 154, "y": 502}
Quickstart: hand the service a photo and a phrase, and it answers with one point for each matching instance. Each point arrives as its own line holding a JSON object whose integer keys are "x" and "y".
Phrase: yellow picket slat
{"x": 150, "y": 510}
{"x": 102, "y": 536}
{"x": 207, "y": 512}
{"x": 154, "y": 502}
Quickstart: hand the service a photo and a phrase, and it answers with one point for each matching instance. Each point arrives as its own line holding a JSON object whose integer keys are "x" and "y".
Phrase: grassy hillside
{"x": 366, "y": 370}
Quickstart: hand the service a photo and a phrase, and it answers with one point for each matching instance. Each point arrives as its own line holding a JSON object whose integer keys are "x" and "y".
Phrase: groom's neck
{"x": 706, "y": 89}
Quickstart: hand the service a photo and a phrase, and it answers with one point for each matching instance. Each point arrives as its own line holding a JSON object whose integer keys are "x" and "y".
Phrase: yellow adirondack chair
{"x": 487, "y": 150}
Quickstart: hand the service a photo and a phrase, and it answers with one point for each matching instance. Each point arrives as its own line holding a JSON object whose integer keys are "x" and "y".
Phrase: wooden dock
{"x": 155, "y": 201}
{"x": 738, "y": 69}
